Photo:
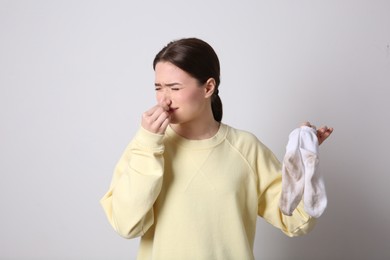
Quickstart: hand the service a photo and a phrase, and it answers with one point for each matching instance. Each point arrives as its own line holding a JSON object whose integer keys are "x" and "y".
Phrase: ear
{"x": 209, "y": 87}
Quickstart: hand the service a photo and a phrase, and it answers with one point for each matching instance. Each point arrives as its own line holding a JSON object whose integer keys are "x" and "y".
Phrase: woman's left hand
{"x": 322, "y": 133}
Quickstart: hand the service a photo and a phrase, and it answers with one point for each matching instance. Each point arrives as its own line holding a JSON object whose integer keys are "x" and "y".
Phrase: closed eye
{"x": 173, "y": 86}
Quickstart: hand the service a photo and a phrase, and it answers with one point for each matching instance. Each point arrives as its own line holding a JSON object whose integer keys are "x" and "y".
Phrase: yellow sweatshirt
{"x": 197, "y": 199}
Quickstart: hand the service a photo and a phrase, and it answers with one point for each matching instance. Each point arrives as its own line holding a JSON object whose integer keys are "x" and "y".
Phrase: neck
{"x": 197, "y": 130}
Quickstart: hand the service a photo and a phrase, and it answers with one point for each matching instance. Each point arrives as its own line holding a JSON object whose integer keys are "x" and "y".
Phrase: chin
{"x": 176, "y": 121}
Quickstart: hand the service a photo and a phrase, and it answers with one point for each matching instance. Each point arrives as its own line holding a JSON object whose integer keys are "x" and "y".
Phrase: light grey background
{"x": 75, "y": 77}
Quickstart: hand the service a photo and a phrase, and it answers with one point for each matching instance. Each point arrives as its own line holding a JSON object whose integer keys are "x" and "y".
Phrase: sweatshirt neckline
{"x": 198, "y": 144}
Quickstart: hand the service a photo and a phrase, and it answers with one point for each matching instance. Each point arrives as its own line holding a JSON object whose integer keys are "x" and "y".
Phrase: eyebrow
{"x": 167, "y": 85}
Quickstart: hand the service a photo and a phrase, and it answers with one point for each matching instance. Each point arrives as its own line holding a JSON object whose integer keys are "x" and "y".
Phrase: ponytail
{"x": 216, "y": 106}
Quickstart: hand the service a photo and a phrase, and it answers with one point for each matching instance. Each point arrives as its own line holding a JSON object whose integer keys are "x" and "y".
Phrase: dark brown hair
{"x": 197, "y": 58}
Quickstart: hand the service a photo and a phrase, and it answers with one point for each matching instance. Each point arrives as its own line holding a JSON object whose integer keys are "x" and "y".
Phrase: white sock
{"x": 293, "y": 175}
{"x": 314, "y": 196}
{"x": 300, "y": 175}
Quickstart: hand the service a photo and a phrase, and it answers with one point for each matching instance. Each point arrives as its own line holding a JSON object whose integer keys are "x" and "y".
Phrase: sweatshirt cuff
{"x": 148, "y": 139}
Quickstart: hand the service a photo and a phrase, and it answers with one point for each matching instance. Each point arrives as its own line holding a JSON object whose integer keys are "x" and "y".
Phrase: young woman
{"x": 188, "y": 184}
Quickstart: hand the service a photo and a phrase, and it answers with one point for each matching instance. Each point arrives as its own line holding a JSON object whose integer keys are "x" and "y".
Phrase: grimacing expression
{"x": 188, "y": 100}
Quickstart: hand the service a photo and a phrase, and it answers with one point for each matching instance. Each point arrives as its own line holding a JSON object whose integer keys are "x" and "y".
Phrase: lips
{"x": 171, "y": 109}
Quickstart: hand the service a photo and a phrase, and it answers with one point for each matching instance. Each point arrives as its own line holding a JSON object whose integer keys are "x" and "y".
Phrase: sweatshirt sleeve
{"x": 135, "y": 185}
{"x": 270, "y": 187}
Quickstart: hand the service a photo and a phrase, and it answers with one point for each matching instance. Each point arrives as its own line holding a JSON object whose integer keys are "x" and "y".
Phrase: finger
{"x": 161, "y": 123}
{"x": 151, "y": 110}
{"x": 326, "y": 130}
{"x": 161, "y": 117}
{"x": 151, "y": 115}
{"x": 164, "y": 125}
{"x": 322, "y": 130}
{"x": 162, "y": 103}
{"x": 154, "y": 118}
{"x": 323, "y": 136}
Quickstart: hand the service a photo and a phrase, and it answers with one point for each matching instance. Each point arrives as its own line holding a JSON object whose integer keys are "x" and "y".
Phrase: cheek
{"x": 186, "y": 97}
{"x": 197, "y": 100}
{"x": 191, "y": 97}
{"x": 183, "y": 100}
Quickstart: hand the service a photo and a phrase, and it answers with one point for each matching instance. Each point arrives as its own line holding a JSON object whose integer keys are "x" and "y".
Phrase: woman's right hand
{"x": 157, "y": 118}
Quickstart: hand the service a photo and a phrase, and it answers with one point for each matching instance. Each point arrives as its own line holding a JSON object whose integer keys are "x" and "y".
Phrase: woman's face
{"x": 188, "y": 100}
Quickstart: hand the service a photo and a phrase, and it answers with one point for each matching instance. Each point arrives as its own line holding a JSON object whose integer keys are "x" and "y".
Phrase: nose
{"x": 166, "y": 94}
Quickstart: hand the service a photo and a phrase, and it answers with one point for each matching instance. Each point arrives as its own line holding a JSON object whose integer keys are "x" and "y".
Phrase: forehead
{"x": 166, "y": 72}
